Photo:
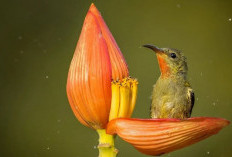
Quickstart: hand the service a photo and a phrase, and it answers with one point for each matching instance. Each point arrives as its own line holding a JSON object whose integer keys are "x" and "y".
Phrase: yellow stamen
{"x": 114, "y": 100}
{"x": 124, "y": 94}
{"x": 124, "y": 99}
{"x": 134, "y": 90}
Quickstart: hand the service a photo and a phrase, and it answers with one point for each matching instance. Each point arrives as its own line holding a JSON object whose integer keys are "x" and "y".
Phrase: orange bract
{"x": 118, "y": 63}
{"x": 97, "y": 59}
{"x": 160, "y": 136}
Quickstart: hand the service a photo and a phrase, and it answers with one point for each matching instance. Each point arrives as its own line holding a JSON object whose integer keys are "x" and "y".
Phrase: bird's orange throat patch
{"x": 164, "y": 68}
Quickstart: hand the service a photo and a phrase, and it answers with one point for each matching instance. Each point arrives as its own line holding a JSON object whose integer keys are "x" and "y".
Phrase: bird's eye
{"x": 173, "y": 55}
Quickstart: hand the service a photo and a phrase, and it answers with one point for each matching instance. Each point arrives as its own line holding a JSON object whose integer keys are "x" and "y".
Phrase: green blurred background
{"x": 37, "y": 41}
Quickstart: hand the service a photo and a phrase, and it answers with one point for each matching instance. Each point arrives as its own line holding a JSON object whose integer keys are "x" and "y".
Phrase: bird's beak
{"x": 164, "y": 68}
{"x": 154, "y": 48}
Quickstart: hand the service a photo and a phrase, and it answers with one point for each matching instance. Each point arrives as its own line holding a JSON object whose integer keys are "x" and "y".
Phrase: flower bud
{"x": 96, "y": 62}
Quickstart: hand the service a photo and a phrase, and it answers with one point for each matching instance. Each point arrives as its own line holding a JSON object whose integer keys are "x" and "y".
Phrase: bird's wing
{"x": 191, "y": 99}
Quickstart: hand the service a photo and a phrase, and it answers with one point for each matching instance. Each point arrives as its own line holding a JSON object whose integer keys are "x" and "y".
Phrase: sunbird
{"x": 172, "y": 95}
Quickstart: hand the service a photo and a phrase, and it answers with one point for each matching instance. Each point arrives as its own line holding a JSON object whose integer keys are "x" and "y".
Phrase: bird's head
{"x": 171, "y": 61}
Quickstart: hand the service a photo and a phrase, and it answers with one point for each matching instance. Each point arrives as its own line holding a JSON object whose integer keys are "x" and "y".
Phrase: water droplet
{"x": 46, "y": 76}
{"x": 48, "y": 148}
{"x": 229, "y": 19}
{"x": 58, "y": 120}
{"x": 201, "y": 74}
{"x": 214, "y": 104}
{"x": 208, "y": 152}
{"x": 94, "y": 147}
{"x": 178, "y": 6}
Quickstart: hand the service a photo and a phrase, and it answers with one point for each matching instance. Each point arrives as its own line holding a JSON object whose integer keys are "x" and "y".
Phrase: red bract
{"x": 96, "y": 61}
{"x": 118, "y": 63}
{"x": 160, "y": 136}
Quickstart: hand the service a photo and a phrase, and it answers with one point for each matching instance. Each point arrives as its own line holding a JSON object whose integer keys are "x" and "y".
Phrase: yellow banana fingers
{"x": 124, "y": 94}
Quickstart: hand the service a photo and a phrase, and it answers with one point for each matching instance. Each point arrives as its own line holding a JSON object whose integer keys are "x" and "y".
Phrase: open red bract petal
{"x": 160, "y": 136}
{"x": 89, "y": 78}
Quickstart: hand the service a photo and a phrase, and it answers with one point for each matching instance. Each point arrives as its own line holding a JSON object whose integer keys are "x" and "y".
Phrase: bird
{"x": 172, "y": 95}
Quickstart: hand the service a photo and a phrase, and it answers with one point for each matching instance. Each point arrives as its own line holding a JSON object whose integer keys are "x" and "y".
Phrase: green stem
{"x": 106, "y": 144}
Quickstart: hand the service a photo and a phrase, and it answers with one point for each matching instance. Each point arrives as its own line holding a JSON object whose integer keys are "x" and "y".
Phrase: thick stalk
{"x": 106, "y": 144}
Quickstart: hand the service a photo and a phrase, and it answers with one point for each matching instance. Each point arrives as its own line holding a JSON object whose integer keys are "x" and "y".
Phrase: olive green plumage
{"x": 172, "y": 95}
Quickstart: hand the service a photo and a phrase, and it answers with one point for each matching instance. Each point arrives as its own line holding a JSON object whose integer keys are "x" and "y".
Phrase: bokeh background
{"x": 37, "y": 41}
